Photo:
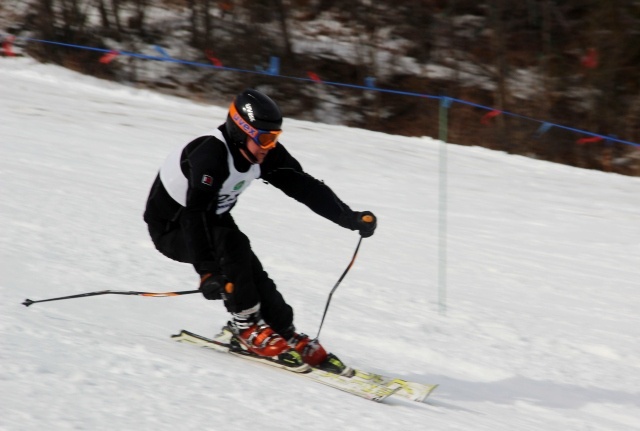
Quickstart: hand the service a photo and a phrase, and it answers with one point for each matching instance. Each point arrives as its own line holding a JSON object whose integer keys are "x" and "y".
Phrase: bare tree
{"x": 281, "y": 11}
{"x": 496, "y": 10}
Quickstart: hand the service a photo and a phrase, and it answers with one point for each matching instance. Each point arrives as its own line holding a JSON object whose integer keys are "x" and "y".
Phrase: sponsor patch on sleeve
{"x": 207, "y": 180}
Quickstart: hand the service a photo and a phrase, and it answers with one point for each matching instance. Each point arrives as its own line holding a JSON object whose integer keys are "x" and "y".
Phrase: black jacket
{"x": 208, "y": 156}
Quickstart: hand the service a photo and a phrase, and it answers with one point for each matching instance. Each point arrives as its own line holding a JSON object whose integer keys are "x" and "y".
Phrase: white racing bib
{"x": 177, "y": 184}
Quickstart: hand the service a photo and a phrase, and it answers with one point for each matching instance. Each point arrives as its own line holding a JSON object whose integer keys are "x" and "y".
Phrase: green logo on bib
{"x": 238, "y": 186}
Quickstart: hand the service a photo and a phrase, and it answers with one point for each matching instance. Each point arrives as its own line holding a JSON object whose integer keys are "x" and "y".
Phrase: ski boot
{"x": 315, "y": 355}
{"x": 251, "y": 336}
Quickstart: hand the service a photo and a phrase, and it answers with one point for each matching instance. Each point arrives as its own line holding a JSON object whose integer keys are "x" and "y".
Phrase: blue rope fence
{"x": 446, "y": 102}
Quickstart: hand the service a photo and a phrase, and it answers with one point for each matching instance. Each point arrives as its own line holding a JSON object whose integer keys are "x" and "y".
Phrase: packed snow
{"x": 541, "y": 329}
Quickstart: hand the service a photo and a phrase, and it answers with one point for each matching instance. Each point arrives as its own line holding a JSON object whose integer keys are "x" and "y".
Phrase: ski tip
{"x": 179, "y": 334}
{"x": 27, "y": 302}
{"x": 426, "y": 394}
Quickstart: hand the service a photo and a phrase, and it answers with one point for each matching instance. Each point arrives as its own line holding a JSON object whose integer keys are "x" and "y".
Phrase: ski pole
{"x": 326, "y": 307}
{"x": 28, "y": 302}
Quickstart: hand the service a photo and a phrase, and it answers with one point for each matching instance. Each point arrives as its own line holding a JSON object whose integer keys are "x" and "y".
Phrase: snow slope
{"x": 541, "y": 331}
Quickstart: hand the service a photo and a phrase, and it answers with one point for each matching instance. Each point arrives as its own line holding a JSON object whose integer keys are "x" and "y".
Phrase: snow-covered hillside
{"x": 541, "y": 332}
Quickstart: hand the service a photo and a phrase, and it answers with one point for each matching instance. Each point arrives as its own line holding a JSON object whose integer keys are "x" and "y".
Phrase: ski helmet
{"x": 253, "y": 114}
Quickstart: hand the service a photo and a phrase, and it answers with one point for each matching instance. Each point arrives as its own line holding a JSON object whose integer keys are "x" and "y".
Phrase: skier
{"x": 189, "y": 220}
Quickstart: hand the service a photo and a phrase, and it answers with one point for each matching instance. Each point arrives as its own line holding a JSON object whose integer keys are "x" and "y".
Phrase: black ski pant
{"x": 237, "y": 262}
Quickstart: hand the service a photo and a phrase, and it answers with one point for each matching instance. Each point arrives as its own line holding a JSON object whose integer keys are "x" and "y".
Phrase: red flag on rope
{"x": 7, "y": 46}
{"x": 213, "y": 59}
{"x": 590, "y": 140}
{"x": 314, "y": 76}
{"x": 489, "y": 115}
{"x": 109, "y": 56}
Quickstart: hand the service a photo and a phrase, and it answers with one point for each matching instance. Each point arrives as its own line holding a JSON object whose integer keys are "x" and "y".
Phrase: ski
{"x": 406, "y": 389}
{"x": 367, "y": 388}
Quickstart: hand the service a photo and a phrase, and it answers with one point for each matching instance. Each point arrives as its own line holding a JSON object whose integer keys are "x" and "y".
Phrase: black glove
{"x": 215, "y": 286}
{"x": 364, "y": 222}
